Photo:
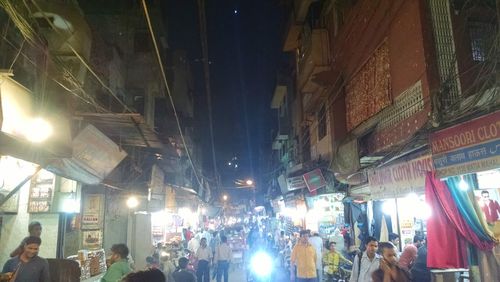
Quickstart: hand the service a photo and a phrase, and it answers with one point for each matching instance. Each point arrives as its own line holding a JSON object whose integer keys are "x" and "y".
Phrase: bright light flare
{"x": 132, "y": 202}
{"x": 463, "y": 185}
{"x": 261, "y": 264}
{"x": 249, "y": 182}
{"x": 38, "y": 130}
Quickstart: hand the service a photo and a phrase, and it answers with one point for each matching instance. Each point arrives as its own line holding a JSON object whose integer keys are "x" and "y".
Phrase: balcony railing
{"x": 314, "y": 57}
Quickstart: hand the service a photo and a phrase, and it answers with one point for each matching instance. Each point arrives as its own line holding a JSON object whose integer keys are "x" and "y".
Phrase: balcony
{"x": 314, "y": 59}
{"x": 296, "y": 19}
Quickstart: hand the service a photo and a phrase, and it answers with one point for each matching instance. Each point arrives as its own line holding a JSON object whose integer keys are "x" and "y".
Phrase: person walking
{"x": 409, "y": 254}
{"x": 389, "y": 270}
{"x": 316, "y": 241}
{"x": 28, "y": 266}
{"x": 204, "y": 256}
{"x": 304, "y": 258}
{"x": 35, "y": 230}
{"x": 420, "y": 272}
{"x": 223, "y": 255}
{"x": 119, "y": 265}
{"x": 183, "y": 275}
{"x": 366, "y": 262}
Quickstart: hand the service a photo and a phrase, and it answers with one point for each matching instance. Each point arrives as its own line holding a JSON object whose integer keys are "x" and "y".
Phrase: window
{"x": 480, "y": 39}
{"x": 321, "y": 123}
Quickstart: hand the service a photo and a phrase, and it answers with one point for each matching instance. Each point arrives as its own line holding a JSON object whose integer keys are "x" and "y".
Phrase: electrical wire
{"x": 169, "y": 94}
{"x": 206, "y": 70}
{"x": 89, "y": 102}
{"x": 82, "y": 60}
{"x": 17, "y": 55}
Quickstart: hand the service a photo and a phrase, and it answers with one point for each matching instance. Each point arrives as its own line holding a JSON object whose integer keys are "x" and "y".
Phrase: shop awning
{"x": 128, "y": 129}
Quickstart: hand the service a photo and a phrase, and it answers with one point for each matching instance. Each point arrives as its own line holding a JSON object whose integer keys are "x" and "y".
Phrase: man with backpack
{"x": 366, "y": 263}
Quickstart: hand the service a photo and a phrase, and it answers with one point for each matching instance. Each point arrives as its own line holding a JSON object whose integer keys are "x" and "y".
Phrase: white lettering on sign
{"x": 399, "y": 179}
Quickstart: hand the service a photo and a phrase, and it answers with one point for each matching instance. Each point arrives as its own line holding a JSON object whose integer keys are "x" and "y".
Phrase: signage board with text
{"x": 469, "y": 147}
{"x": 399, "y": 179}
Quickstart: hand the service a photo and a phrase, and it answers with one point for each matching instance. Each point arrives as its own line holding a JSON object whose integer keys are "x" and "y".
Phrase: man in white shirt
{"x": 204, "y": 256}
{"x": 370, "y": 261}
{"x": 223, "y": 255}
{"x": 316, "y": 241}
{"x": 193, "y": 244}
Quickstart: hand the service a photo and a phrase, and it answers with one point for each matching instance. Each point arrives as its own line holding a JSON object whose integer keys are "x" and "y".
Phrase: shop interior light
{"x": 38, "y": 130}
{"x": 132, "y": 202}
{"x": 463, "y": 185}
{"x": 389, "y": 207}
{"x": 70, "y": 205}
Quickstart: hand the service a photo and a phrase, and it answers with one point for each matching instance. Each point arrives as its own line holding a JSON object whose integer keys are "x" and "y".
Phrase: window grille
{"x": 445, "y": 51}
{"x": 408, "y": 103}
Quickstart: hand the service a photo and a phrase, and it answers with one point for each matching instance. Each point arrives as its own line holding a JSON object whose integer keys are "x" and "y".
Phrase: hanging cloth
{"x": 446, "y": 248}
{"x": 469, "y": 208}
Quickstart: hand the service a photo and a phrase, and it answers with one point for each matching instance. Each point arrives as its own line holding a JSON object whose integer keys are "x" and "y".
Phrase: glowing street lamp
{"x": 38, "y": 130}
{"x": 249, "y": 182}
{"x": 132, "y": 202}
{"x": 224, "y": 197}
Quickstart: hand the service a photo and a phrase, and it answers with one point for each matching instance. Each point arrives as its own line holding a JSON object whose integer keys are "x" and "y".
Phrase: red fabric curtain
{"x": 446, "y": 248}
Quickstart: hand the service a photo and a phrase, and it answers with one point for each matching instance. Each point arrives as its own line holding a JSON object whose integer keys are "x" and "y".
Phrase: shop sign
{"x": 41, "y": 192}
{"x": 295, "y": 183}
{"x": 468, "y": 147}
{"x": 93, "y": 211}
{"x": 314, "y": 180}
{"x": 92, "y": 239}
{"x": 399, "y": 179}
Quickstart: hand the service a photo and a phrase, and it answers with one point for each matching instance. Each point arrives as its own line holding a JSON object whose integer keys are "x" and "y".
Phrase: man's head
{"x": 31, "y": 246}
{"x": 332, "y": 245}
{"x": 388, "y": 252}
{"x": 304, "y": 236}
{"x": 223, "y": 239}
{"x": 118, "y": 252}
{"x": 150, "y": 275}
{"x": 183, "y": 262}
{"x": 35, "y": 229}
{"x": 203, "y": 242}
{"x": 282, "y": 233}
{"x": 371, "y": 246}
{"x": 418, "y": 240}
{"x": 394, "y": 238}
{"x": 485, "y": 195}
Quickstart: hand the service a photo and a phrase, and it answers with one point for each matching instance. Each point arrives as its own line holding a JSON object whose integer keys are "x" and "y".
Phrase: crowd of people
{"x": 380, "y": 261}
{"x": 306, "y": 256}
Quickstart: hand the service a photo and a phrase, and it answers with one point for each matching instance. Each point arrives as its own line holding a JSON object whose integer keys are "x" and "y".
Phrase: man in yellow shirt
{"x": 304, "y": 258}
{"x": 332, "y": 259}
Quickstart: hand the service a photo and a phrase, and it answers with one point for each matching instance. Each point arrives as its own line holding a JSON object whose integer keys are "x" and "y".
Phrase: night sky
{"x": 244, "y": 39}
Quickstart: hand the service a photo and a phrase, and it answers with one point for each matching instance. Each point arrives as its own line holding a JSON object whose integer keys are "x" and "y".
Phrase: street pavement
{"x": 239, "y": 275}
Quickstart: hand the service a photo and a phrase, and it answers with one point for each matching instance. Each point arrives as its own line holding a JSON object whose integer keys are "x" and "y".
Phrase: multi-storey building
{"x": 374, "y": 78}
{"x": 91, "y": 69}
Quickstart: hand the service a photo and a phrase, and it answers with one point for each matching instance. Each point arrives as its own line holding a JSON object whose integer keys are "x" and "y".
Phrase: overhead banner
{"x": 468, "y": 147}
{"x": 399, "y": 179}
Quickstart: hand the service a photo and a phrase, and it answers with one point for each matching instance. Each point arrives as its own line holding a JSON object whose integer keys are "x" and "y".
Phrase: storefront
{"x": 463, "y": 193}
{"x": 398, "y": 198}
{"x": 325, "y": 215}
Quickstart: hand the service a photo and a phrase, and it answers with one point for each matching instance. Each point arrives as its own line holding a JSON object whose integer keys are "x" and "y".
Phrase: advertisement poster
{"x": 92, "y": 239}
{"x": 92, "y": 211}
{"x": 41, "y": 192}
